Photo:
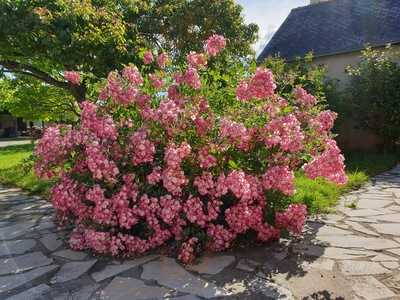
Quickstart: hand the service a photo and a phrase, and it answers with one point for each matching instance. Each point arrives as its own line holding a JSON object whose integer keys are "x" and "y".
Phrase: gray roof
{"x": 336, "y": 26}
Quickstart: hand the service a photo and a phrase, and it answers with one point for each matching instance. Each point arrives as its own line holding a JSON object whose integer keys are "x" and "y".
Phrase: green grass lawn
{"x": 16, "y": 169}
{"x": 319, "y": 195}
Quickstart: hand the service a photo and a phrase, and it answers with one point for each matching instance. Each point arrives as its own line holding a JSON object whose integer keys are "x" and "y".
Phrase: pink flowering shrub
{"x": 73, "y": 77}
{"x": 153, "y": 162}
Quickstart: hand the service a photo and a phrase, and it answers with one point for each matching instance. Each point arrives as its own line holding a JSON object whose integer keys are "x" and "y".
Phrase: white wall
{"x": 336, "y": 64}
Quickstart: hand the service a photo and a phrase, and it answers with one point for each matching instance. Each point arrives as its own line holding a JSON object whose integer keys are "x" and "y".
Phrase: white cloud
{"x": 262, "y": 41}
{"x": 268, "y": 15}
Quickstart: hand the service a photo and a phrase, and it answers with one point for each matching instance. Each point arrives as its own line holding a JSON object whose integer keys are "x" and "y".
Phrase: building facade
{"x": 11, "y": 126}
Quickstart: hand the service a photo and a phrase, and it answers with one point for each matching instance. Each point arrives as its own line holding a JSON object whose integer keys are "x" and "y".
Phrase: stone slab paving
{"x": 351, "y": 254}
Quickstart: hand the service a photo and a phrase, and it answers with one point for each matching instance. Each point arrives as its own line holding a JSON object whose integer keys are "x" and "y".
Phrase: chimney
{"x": 317, "y": 1}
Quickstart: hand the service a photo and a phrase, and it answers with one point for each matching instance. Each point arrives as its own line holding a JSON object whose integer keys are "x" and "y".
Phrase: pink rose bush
{"x": 154, "y": 163}
{"x": 72, "y": 77}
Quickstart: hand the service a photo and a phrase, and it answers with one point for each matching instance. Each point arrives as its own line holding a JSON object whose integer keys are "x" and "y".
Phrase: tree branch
{"x": 79, "y": 91}
{"x": 15, "y": 67}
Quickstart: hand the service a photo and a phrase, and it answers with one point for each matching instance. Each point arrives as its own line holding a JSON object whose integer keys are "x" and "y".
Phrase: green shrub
{"x": 372, "y": 97}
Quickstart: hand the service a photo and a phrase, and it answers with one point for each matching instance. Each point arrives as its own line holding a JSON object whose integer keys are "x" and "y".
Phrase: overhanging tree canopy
{"x": 42, "y": 38}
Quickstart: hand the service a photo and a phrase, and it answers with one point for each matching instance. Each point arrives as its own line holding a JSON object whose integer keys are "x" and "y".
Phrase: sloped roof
{"x": 336, "y": 26}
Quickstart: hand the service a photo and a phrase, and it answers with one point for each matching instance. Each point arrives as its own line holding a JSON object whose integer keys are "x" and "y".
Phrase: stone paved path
{"x": 352, "y": 254}
{"x": 14, "y": 142}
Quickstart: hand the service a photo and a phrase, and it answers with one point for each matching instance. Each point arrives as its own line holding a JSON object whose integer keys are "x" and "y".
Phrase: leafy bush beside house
{"x": 301, "y": 72}
{"x": 372, "y": 97}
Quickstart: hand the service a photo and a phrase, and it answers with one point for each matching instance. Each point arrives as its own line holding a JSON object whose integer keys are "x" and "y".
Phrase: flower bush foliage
{"x": 153, "y": 163}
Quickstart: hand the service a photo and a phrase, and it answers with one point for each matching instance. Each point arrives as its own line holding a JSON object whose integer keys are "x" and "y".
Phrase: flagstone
{"x": 394, "y": 251}
{"x": 320, "y": 264}
{"x": 383, "y": 257}
{"x": 334, "y": 253}
{"x": 16, "y": 230}
{"x": 371, "y": 289}
{"x": 16, "y": 247}
{"x": 43, "y": 225}
{"x": 72, "y": 270}
{"x": 51, "y": 241}
{"x": 247, "y": 265}
{"x": 23, "y": 263}
{"x": 112, "y": 270}
{"x": 122, "y": 288}
{"x": 330, "y": 230}
{"x": 390, "y": 264}
{"x": 394, "y": 208}
{"x": 35, "y": 293}
{"x": 186, "y": 297}
{"x": 362, "y": 220}
{"x": 387, "y": 228}
{"x": 366, "y": 212}
{"x": 360, "y": 228}
{"x": 10, "y": 282}
{"x": 334, "y": 218}
{"x": 83, "y": 293}
{"x": 211, "y": 264}
{"x": 389, "y": 218}
{"x": 70, "y": 254}
{"x": 355, "y": 241}
{"x": 169, "y": 274}
{"x": 373, "y": 204}
{"x": 356, "y": 267}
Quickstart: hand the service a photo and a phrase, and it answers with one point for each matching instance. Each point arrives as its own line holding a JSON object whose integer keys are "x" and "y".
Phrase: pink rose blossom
{"x": 279, "y": 178}
{"x": 148, "y": 57}
{"x": 162, "y": 60}
{"x": 215, "y": 44}
{"x": 196, "y": 60}
{"x": 73, "y": 77}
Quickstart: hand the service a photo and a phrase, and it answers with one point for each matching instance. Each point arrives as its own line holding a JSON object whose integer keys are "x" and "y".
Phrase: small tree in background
{"x": 373, "y": 95}
{"x": 33, "y": 100}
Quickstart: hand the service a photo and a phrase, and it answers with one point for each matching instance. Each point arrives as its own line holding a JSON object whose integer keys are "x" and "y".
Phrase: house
{"x": 336, "y": 31}
{"x": 11, "y": 126}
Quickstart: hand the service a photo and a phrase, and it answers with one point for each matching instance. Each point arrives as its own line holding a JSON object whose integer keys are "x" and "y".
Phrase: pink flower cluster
{"x": 173, "y": 177}
{"x": 304, "y": 98}
{"x": 148, "y": 57}
{"x": 324, "y": 121}
{"x": 50, "y": 151}
{"x": 196, "y": 60}
{"x": 187, "y": 252}
{"x": 157, "y": 162}
{"x": 215, "y": 44}
{"x": 142, "y": 148}
{"x": 97, "y": 162}
{"x": 72, "y": 77}
{"x": 293, "y": 219}
{"x": 192, "y": 78}
{"x": 235, "y": 133}
{"x": 132, "y": 74}
{"x": 329, "y": 165}
{"x": 260, "y": 86}
{"x": 162, "y": 60}
{"x": 285, "y": 132}
{"x": 206, "y": 160}
{"x": 103, "y": 127}
{"x": 280, "y": 178}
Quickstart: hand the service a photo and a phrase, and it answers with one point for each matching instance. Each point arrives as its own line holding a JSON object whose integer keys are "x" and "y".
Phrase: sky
{"x": 268, "y": 15}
